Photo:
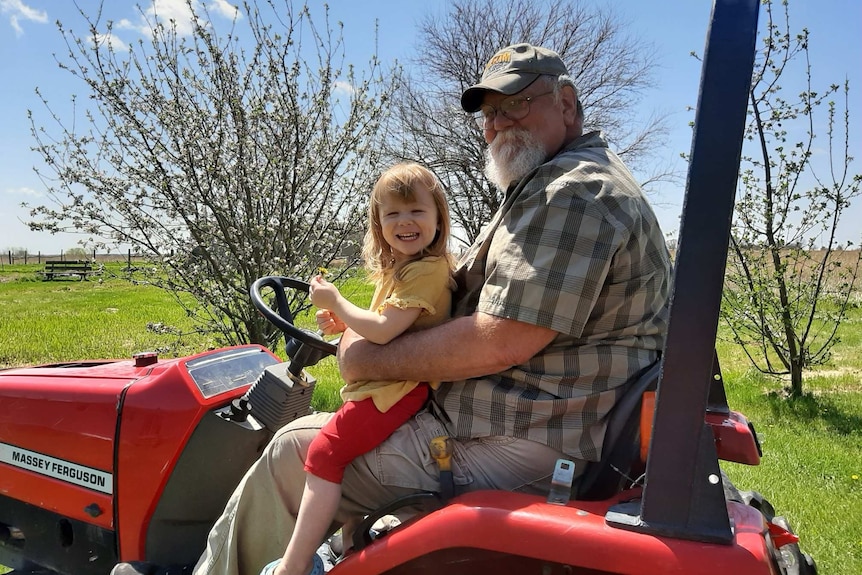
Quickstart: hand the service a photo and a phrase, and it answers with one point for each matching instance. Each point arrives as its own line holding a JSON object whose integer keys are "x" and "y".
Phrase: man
{"x": 561, "y": 301}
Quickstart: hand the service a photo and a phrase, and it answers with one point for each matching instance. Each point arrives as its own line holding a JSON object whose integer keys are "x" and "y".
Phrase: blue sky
{"x": 29, "y": 39}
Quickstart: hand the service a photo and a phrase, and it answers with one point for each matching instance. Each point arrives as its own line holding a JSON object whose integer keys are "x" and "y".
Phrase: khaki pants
{"x": 259, "y": 518}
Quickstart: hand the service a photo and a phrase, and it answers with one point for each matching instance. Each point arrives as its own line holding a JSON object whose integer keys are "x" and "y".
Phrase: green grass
{"x": 812, "y": 465}
{"x": 48, "y": 321}
{"x": 811, "y": 470}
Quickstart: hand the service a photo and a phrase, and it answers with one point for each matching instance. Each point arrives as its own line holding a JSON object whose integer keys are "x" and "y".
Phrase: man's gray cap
{"x": 511, "y": 70}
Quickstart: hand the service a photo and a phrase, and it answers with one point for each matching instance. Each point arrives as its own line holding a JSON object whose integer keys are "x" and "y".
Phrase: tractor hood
{"x": 73, "y": 427}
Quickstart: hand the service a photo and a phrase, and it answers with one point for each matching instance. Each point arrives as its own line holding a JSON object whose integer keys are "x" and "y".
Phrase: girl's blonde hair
{"x": 402, "y": 180}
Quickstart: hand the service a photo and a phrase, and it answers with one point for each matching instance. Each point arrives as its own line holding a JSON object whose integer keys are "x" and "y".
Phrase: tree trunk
{"x": 796, "y": 377}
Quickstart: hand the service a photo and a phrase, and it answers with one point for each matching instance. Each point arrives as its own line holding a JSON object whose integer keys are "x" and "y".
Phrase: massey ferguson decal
{"x": 57, "y": 468}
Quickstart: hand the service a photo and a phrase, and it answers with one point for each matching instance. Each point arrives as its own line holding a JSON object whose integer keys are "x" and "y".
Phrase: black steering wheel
{"x": 303, "y": 347}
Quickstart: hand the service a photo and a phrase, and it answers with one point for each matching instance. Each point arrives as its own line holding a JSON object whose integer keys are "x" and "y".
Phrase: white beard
{"x": 511, "y": 156}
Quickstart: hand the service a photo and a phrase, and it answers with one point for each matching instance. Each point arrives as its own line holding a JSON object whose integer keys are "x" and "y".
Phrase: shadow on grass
{"x": 810, "y": 408}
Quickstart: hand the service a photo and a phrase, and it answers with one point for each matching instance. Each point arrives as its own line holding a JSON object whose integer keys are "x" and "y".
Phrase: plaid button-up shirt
{"x": 575, "y": 248}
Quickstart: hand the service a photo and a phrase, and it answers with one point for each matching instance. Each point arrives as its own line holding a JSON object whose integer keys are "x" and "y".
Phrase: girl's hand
{"x": 329, "y": 323}
{"x": 323, "y": 294}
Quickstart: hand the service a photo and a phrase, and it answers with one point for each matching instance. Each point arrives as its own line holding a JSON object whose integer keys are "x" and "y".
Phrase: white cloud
{"x": 24, "y": 191}
{"x": 344, "y": 87}
{"x": 225, "y": 8}
{"x": 109, "y": 40}
{"x": 126, "y": 24}
{"x": 168, "y": 12}
{"x": 17, "y": 11}
{"x": 172, "y": 11}
{"x": 176, "y": 13}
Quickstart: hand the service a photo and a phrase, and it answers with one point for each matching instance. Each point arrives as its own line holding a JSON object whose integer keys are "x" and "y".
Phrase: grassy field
{"x": 812, "y": 465}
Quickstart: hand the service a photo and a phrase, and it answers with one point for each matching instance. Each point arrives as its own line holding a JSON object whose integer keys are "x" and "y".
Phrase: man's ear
{"x": 569, "y": 102}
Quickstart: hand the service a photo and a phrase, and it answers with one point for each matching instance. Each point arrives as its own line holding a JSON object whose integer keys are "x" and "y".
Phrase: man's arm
{"x": 464, "y": 347}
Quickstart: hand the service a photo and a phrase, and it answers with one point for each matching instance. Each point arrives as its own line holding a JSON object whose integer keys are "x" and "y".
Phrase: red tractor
{"x": 108, "y": 461}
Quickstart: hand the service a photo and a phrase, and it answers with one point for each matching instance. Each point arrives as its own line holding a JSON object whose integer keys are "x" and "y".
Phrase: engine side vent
{"x": 278, "y": 397}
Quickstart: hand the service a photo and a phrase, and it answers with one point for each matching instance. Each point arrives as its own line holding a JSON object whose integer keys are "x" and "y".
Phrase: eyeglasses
{"x": 514, "y": 108}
